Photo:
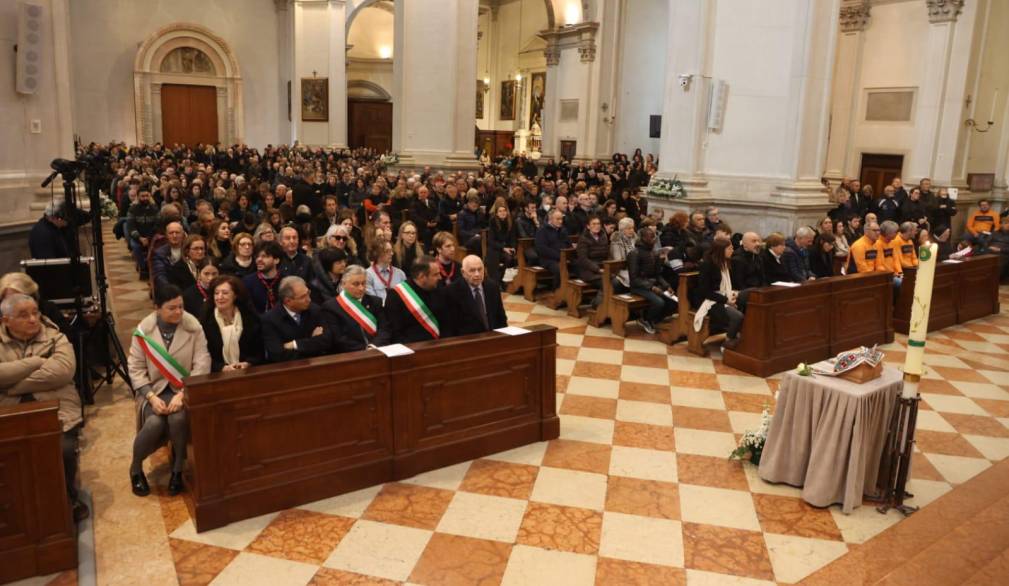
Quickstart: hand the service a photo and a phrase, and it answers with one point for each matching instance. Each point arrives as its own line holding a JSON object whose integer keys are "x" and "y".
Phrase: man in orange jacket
{"x": 983, "y": 219}
{"x": 863, "y": 256}
{"x": 904, "y": 245}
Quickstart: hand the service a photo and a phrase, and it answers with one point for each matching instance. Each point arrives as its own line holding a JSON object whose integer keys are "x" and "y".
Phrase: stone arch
{"x": 148, "y": 79}
{"x": 361, "y": 89}
{"x": 362, "y": 4}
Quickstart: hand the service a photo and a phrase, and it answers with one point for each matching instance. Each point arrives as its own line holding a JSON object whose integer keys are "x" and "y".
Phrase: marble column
{"x": 854, "y": 18}
{"x": 435, "y": 72}
{"x": 938, "y": 113}
{"x": 572, "y": 84}
{"x": 684, "y": 112}
{"x": 318, "y": 43}
{"x": 552, "y": 53}
{"x": 815, "y": 39}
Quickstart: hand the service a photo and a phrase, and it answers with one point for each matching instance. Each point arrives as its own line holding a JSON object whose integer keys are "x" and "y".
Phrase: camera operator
{"x": 49, "y": 238}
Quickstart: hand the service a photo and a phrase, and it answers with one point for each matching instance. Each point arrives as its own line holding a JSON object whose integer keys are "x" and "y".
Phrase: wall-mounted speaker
{"x": 655, "y": 126}
{"x": 29, "y": 57}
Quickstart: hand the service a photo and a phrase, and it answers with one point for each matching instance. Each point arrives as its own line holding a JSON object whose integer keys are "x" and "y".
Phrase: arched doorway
{"x": 188, "y": 86}
{"x": 370, "y": 38}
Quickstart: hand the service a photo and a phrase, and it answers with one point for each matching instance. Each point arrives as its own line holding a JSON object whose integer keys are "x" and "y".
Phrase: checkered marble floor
{"x": 637, "y": 489}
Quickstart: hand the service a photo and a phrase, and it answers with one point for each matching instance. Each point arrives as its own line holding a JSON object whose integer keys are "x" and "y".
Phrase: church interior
{"x": 452, "y": 292}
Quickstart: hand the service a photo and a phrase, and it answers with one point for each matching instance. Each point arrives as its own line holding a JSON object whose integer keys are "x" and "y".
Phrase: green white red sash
{"x": 163, "y": 361}
{"x": 358, "y": 313}
{"x": 416, "y": 306}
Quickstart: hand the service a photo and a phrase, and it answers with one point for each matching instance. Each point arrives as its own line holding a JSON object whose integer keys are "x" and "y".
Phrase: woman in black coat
{"x": 821, "y": 258}
{"x": 714, "y": 284}
{"x": 230, "y": 313}
{"x": 502, "y": 241}
{"x": 770, "y": 258}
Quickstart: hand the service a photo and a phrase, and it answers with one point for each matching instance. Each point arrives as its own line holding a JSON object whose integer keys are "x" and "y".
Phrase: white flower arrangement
{"x": 752, "y": 442}
{"x": 669, "y": 188}
{"x": 389, "y": 159}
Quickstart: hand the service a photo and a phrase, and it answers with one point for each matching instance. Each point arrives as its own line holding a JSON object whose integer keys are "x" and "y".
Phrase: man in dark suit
{"x": 353, "y": 318}
{"x": 476, "y": 302}
{"x": 406, "y": 326}
{"x": 550, "y": 240}
{"x": 294, "y": 328}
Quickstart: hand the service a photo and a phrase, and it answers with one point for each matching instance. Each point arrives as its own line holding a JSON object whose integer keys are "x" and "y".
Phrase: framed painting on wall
{"x": 508, "y": 100}
{"x": 315, "y": 99}
{"x": 480, "y": 89}
{"x": 537, "y": 93}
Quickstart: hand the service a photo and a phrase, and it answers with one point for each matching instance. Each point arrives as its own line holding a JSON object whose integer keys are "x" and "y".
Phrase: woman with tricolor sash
{"x": 353, "y": 318}
{"x": 168, "y": 346}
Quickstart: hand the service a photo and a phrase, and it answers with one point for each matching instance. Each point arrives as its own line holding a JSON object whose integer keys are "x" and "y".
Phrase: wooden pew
{"x": 560, "y": 295}
{"x": 577, "y": 292}
{"x": 960, "y": 292}
{"x": 814, "y": 321}
{"x": 696, "y": 340}
{"x": 37, "y": 533}
{"x": 273, "y": 437}
{"x": 945, "y": 294}
{"x": 602, "y": 313}
{"x": 529, "y": 276}
{"x": 979, "y": 284}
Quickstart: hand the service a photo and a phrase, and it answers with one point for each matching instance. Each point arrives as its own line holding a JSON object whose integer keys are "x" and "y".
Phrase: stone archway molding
{"x": 148, "y": 79}
{"x": 374, "y": 91}
{"x": 362, "y": 4}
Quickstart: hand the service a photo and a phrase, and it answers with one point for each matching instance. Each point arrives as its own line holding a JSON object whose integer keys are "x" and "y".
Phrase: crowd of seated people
{"x": 258, "y": 258}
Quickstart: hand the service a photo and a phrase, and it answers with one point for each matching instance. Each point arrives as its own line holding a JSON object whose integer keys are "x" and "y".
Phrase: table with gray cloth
{"x": 828, "y": 434}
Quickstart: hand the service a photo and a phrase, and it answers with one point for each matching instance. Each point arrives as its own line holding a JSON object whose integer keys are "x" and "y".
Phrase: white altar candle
{"x": 920, "y": 305}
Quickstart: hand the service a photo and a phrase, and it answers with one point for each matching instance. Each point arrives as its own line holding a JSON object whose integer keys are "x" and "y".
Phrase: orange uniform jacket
{"x": 863, "y": 256}
{"x": 908, "y": 254}
{"x": 889, "y": 255}
{"x": 979, "y": 221}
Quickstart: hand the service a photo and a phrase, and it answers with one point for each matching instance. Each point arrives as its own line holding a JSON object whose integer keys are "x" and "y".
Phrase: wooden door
{"x": 188, "y": 114}
{"x": 879, "y": 171}
{"x": 369, "y": 124}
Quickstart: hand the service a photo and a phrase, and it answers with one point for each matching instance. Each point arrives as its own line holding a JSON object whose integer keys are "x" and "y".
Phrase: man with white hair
{"x": 37, "y": 364}
{"x": 796, "y": 256}
{"x": 48, "y": 237}
{"x": 476, "y": 301}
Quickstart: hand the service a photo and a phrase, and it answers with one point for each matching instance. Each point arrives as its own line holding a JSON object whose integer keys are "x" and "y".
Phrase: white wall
{"x": 986, "y": 149}
{"x": 893, "y": 58}
{"x": 642, "y": 74}
{"x": 25, "y": 156}
{"x": 753, "y": 51}
{"x": 107, "y": 33}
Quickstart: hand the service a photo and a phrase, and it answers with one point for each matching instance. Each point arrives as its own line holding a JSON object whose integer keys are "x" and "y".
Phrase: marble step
{"x": 962, "y": 520}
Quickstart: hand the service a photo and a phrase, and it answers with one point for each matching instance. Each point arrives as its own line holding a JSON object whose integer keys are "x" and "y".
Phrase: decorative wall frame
{"x": 315, "y": 99}
{"x": 537, "y": 97}
{"x": 480, "y": 90}
{"x": 148, "y": 77}
{"x": 508, "y": 99}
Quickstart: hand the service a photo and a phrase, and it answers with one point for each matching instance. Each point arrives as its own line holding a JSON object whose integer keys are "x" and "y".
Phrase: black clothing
{"x": 821, "y": 263}
{"x": 403, "y": 327}
{"x": 450, "y": 273}
{"x": 250, "y": 343}
{"x": 279, "y": 328}
{"x": 466, "y": 317}
{"x": 262, "y": 291}
{"x": 181, "y": 276}
{"x": 48, "y": 241}
{"x": 345, "y": 334}
{"x": 747, "y": 269}
{"x": 422, "y": 212}
{"x": 231, "y": 267}
{"x": 941, "y": 213}
{"x": 299, "y": 266}
{"x": 887, "y": 209}
{"x": 592, "y": 252}
{"x": 644, "y": 268}
{"x": 914, "y": 211}
{"x": 774, "y": 269}
{"x": 194, "y": 301}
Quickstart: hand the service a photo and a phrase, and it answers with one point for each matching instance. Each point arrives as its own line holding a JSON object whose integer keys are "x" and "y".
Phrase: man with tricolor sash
{"x": 415, "y": 309}
{"x": 353, "y": 318}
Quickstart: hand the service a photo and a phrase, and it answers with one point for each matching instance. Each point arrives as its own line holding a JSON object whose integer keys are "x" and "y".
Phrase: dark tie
{"x": 297, "y": 318}
{"x": 478, "y": 296}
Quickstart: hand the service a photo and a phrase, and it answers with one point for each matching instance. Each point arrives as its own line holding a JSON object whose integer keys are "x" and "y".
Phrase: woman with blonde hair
{"x": 339, "y": 237}
{"x": 407, "y": 247}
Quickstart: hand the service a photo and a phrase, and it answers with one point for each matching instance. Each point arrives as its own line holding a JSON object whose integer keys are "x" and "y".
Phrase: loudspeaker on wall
{"x": 29, "y": 55}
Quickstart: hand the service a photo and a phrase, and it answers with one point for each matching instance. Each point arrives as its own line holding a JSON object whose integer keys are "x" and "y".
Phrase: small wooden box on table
{"x": 278, "y": 436}
{"x": 37, "y": 534}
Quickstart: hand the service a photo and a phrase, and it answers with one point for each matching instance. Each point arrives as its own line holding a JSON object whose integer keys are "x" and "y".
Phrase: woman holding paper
{"x": 168, "y": 346}
{"x": 715, "y": 294}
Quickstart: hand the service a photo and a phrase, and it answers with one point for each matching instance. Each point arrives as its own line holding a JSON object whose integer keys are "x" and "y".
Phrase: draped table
{"x": 828, "y": 435}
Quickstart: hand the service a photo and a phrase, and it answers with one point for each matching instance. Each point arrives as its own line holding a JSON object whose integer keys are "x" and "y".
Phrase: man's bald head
{"x": 751, "y": 242}
{"x": 472, "y": 270}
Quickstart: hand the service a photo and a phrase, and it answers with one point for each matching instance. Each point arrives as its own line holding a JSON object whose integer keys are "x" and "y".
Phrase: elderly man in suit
{"x": 477, "y": 301}
{"x": 294, "y": 328}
